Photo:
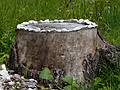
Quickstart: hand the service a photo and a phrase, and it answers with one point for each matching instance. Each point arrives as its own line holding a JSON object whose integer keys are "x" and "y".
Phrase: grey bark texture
{"x": 74, "y": 52}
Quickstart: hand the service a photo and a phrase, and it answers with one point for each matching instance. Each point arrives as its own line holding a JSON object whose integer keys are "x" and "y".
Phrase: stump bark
{"x": 66, "y": 47}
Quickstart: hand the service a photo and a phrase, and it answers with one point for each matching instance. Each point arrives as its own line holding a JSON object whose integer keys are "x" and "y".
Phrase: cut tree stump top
{"x": 56, "y": 25}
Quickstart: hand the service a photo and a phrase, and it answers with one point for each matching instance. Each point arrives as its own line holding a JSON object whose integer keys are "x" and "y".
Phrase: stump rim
{"x": 61, "y": 25}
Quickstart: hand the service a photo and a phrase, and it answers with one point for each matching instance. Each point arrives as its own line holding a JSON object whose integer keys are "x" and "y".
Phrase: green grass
{"x": 106, "y": 13}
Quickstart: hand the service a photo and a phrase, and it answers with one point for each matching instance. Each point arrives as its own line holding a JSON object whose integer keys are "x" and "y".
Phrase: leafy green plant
{"x": 46, "y": 74}
{"x": 71, "y": 83}
{"x": 98, "y": 83}
{"x": 105, "y": 88}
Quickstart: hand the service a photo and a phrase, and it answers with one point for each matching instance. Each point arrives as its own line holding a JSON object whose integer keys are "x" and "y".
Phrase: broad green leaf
{"x": 69, "y": 87}
{"x": 75, "y": 84}
{"x": 46, "y": 74}
{"x": 68, "y": 79}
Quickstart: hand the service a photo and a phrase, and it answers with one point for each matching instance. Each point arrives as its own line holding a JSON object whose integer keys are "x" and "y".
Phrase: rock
{"x": 2, "y": 67}
{"x": 15, "y": 81}
{"x": 11, "y": 71}
{"x": 31, "y": 89}
{"x": 16, "y": 77}
{"x": 11, "y": 83}
{"x": 1, "y": 86}
{"x": 4, "y": 74}
{"x": 33, "y": 80}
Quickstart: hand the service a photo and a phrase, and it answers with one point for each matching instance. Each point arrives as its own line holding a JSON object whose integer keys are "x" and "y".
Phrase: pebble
{"x": 4, "y": 74}
{"x": 11, "y": 83}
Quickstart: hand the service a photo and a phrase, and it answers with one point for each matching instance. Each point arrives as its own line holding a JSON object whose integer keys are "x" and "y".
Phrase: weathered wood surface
{"x": 66, "y": 47}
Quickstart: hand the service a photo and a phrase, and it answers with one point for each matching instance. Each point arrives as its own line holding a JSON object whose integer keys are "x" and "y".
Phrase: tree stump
{"x": 67, "y": 47}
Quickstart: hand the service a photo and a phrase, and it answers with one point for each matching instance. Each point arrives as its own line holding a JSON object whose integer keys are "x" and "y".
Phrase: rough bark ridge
{"x": 72, "y": 47}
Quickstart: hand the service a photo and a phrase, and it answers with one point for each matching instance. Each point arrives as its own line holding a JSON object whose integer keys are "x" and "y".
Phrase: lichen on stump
{"x": 67, "y": 46}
